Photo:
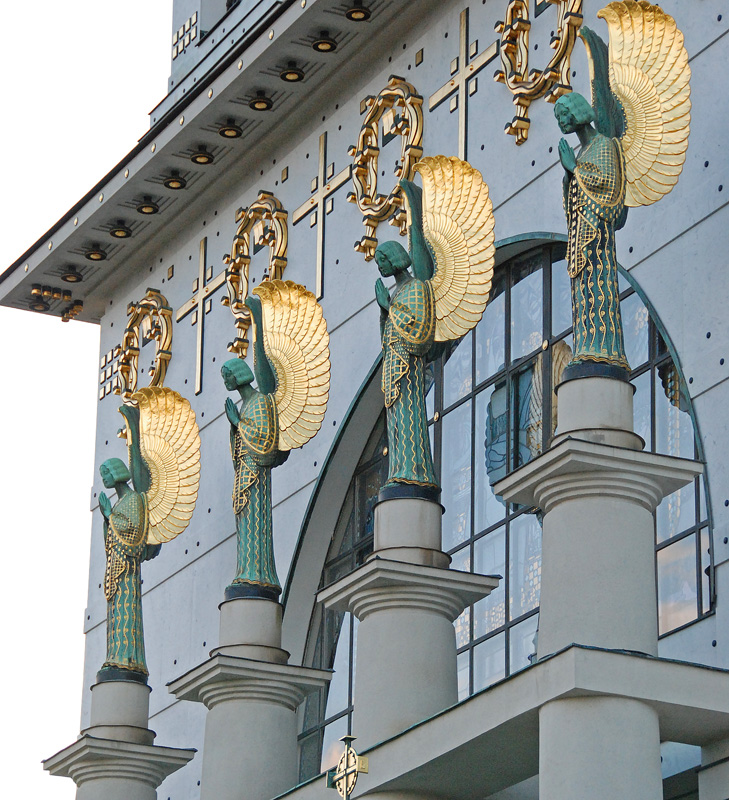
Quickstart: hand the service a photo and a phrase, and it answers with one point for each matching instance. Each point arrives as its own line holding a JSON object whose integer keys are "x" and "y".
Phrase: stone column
{"x": 714, "y": 771}
{"x": 597, "y": 492}
{"x": 406, "y": 600}
{"x": 251, "y": 693}
{"x": 114, "y": 757}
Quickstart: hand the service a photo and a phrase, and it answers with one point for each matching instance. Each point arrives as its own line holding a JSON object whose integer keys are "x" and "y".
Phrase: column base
{"x": 116, "y": 770}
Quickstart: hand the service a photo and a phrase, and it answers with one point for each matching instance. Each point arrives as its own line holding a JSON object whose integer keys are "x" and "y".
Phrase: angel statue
{"x": 451, "y": 242}
{"x": 164, "y": 468}
{"x": 631, "y": 157}
{"x": 291, "y": 362}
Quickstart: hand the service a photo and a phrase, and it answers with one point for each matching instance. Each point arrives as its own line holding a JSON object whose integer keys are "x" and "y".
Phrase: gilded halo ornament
{"x": 399, "y": 108}
{"x": 151, "y": 316}
{"x": 266, "y": 217}
{"x": 527, "y": 85}
{"x": 451, "y": 237}
{"x": 634, "y": 154}
{"x": 164, "y": 468}
{"x": 291, "y": 363}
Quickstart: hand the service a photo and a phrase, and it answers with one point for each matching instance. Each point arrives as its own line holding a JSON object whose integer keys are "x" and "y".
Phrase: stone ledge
{"x": 91, "y": 758}
{"x": 491, "y": 740}
{"x": 225, "y": 677}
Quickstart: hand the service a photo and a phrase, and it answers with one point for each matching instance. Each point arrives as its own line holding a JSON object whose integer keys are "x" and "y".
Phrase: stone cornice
{"x": 578, "y": 468}
{"x": 223, "y": 678}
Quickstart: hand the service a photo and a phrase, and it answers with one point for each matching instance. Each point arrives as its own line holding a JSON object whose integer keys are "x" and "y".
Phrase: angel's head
{"x": 572, "y": 112}
{"x": 236, "y": 373}
{"x": 391, "y": 258}
{"x": 114, "y": 471}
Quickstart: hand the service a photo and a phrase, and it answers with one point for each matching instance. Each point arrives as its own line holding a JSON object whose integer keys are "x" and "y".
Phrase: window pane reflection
{"x": 331, "y": 750}
{"x": 456, "y": 476}
{"x": 457, "y": 372}
{"x": 489, "y": 662}
{"x": 526, "y": 307}
{"x": 528, "y": 392}
{"x": 522, "y": 644}
{"x": 489, "y": 558}
{"x": 642, "y": 407}
{"x": 338, "y": 696}
{"x": 462, "y": 561}
{"x": 705, "y": 571}
{"x": 462, "y": 662}
{"x": 525, "y": 564}
{"x": 561, "y": 298}
{"x": 635, "y": 330}
{"x": 490, "y": 340}
{"x": 490, "y": 454}
{"x": 676, "y": 513}
{"x": 677, "y": 584}
{"x": 674, "y": 429}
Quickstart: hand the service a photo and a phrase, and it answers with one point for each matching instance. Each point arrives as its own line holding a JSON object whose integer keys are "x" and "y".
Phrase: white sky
{"x": 79, "y": 80}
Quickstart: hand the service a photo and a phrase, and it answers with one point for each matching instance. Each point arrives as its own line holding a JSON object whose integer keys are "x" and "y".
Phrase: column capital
{"x": 382, "y": 584}
{"x": 90, "y": 758}
{"x": 225, "y": 677}
{"x": 578, "y": 469}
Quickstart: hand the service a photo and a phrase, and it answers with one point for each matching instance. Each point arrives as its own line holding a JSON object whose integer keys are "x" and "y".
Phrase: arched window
{"x": 492, "y": 408}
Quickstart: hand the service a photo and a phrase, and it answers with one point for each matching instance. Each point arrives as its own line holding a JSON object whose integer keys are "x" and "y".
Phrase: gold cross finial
{"x": 463, "y": 83}
{"x": 344, "y": 777}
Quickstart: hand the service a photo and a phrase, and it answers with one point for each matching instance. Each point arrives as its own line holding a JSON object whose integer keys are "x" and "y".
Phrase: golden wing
{"x": 458, "y": 222}
{"x": 297, "y": 345}
{"x": 169, "y": 442}
{"x": 649, "y": 73}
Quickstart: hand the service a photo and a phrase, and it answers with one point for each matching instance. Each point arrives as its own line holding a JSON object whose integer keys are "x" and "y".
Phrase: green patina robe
{"x": 407, "y": 336}
{"x": 125, "y": 539}
{"x": 254, "y": 446}
{"x": 594, "y": 205}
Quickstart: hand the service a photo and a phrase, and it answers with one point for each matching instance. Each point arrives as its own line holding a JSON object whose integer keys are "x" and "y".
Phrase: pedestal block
{"x": 598, "y": 492}
{"x": 114, "y": 758}
{"x": 714, "y": 771}
{"x": 251, "y": 693}
{"x": 406, "y": 645}
{"x": 409, "y": 529}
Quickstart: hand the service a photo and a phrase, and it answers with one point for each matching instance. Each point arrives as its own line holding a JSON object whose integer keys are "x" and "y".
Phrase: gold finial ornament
{"x": 151, "y": 310}
{"x": 649, "y": 74}
{"x": 267, "y": 215}
{"x": 401, "y": 97}
{"x": 343, "y": 778}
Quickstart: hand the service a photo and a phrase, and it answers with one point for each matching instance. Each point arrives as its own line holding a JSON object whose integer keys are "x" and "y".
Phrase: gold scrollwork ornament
{"x": 528, "y": 85}
{"x": 152, "y": 318}
{"x": 399, "y": 107}
{"x": 267, "y": 220}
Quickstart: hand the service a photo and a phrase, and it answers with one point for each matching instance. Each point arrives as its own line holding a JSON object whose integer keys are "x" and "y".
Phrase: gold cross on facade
{"x": 320, "y": 204}
{"x": 200, "y": 304}
{"x": 463, "y": 83}
{"x": 343, "y": 777}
